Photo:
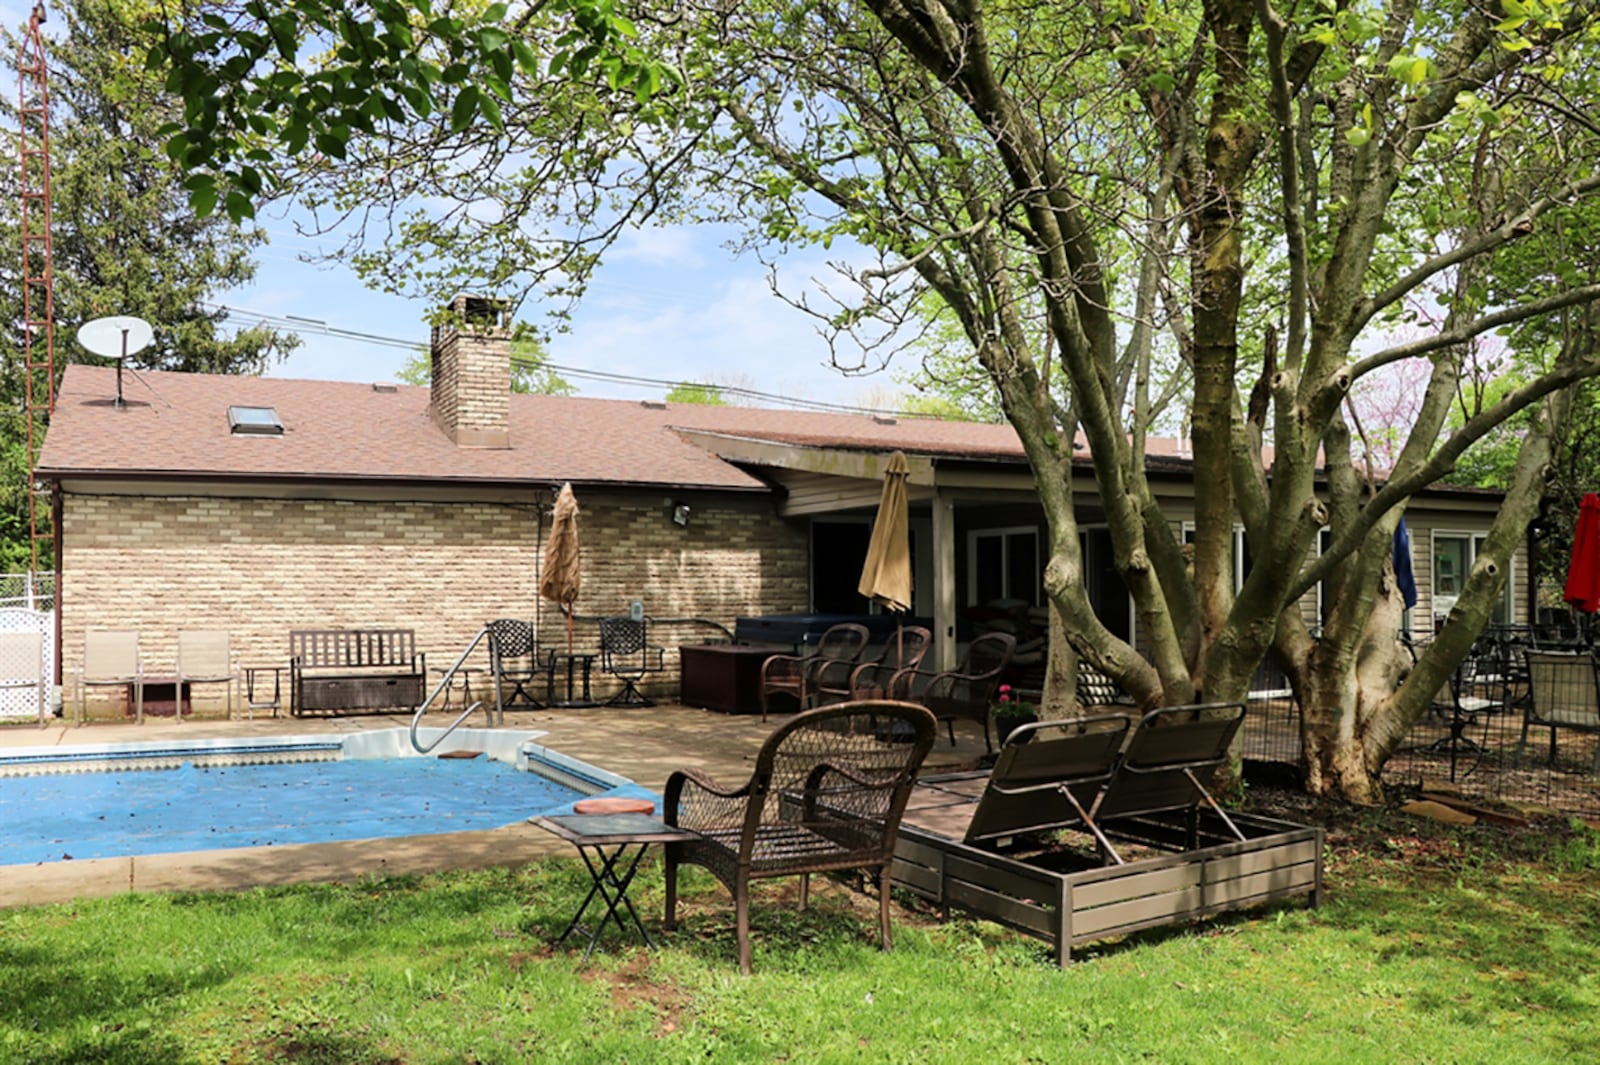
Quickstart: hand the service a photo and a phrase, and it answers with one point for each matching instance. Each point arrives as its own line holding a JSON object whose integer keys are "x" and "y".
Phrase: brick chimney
{"x": 471, "y": 397}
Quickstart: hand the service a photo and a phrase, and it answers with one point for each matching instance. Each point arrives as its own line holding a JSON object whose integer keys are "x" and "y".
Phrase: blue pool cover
{"x": 69, "y": 816}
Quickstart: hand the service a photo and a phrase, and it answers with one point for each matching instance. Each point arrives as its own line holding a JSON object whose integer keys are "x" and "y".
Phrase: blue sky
{"x": 670, "y": 303}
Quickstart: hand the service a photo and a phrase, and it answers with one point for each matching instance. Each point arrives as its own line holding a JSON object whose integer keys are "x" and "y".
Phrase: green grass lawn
{"x": 1435, "y": 944}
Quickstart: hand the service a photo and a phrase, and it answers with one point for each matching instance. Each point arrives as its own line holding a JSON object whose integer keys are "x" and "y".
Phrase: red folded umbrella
{"x": 1583, "y": 575}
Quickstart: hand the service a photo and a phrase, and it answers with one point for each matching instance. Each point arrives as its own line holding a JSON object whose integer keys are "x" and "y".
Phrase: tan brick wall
{"x": 260, "y": 567}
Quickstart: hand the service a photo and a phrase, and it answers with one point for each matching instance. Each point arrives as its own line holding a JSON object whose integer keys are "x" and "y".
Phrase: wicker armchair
{"x": 964, "y": 693}
{"x": 797, "y": 675}
{"x": 827, "y": 793}
{"x": 870, "y": 680}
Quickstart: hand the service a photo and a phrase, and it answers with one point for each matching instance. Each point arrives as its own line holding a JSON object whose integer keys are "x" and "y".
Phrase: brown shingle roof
{"x": 176, "y": 425}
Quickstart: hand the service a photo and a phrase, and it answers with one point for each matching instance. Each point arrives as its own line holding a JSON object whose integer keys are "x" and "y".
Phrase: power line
{"x": 301, "y": 325}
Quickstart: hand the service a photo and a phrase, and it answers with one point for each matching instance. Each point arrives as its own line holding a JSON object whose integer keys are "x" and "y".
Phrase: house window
{"x": 1241, "y": 553}
{"x": 1004, "y": 564}
{"x": 254, "y": 421}
{"x": 1454, "y": 554}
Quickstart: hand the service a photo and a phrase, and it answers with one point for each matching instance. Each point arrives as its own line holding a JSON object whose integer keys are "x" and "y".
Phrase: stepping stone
{"x": 1438, "y": 811}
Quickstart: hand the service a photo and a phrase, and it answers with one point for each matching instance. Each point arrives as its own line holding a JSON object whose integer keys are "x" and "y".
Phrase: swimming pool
{"x": 131, "y": 799}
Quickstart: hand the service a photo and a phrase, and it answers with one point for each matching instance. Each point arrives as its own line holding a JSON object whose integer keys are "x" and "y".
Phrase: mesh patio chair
{"x": 1563, "y": 693}
{"x": 827, "y": 793}
{"x": 111, "y": 658}
{"x": 796, "y": 675}
{"x": 627, "y": 654}
{"x": 965, "y": 693}
{"x": 206, "y": 657}
{"x": 514, "y": 661}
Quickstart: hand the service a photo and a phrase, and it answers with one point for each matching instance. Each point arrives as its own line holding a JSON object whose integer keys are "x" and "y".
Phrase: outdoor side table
{"x": 578, "y": 665}
{"x": 618, "y": 842}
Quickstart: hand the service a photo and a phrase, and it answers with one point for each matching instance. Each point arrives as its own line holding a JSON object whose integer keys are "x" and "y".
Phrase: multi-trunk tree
{"x": 1102, "y": 196}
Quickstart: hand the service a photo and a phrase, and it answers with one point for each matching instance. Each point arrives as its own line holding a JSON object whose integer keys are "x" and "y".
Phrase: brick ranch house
{"x": 259, "y": 505}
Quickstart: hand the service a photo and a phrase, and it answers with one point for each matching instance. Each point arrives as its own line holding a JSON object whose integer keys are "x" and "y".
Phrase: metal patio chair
{"x": 514, "y": 661}
{"x": 1563, "y": 693}
{"x": 627, "y": 654}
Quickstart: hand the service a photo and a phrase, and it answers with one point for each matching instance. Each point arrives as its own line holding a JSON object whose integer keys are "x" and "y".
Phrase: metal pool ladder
{"x": 443, "y": 685}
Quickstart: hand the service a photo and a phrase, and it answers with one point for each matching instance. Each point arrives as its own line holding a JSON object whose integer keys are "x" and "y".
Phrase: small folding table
{"x": 618, "y": 842}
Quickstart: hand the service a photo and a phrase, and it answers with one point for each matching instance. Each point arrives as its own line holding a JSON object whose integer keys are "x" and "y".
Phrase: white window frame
{"x": 1475, "y": 540}
{"x": 1188, "y": 532}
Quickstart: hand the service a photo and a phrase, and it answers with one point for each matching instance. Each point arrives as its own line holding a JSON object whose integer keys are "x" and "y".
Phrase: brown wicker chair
{"x": 964, "y": 693}
{"x": 827, "y": 793}
{"x": 796, "y": 675}
{"x": 870, "y": 680}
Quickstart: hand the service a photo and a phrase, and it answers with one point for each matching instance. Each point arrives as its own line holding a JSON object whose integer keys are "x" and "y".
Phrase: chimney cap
{"x": 479, "y": 312}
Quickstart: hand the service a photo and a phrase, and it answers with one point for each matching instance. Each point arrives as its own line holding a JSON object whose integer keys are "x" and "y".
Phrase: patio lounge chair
{"x": 1169, "y": 760}
{"x": 827, "y": 793}
{"x": 1048, "y": 775}
{"x": 1564, "y": 693}
{"x": 797, "y": 675}
{"x": 964, "y": 693}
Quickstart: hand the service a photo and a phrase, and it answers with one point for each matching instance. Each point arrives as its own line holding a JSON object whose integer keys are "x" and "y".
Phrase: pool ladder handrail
{"x": 444, "y": 683}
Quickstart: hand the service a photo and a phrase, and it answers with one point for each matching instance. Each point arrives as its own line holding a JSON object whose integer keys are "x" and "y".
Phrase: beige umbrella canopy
{"x": 559, "y": 578}
{"x": 886, "y": 577}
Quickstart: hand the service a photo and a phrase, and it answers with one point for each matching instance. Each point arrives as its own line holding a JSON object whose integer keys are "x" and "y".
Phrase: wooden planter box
{"x": 1277, "y": 861}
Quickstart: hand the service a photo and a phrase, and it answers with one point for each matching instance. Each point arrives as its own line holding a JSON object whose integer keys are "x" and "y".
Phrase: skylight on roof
{"x": 254, "y": 421}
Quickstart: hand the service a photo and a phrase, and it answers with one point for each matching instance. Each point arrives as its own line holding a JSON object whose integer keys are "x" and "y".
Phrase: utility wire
{"x": 296, "y": 324}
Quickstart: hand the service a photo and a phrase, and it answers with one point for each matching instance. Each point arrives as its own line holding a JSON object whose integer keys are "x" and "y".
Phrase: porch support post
{"x": 944, "y": 582}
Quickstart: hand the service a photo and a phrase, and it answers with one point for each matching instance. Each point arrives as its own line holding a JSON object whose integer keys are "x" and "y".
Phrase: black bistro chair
{"x": 626, "y": 654}
{"x": 514, "y": 661}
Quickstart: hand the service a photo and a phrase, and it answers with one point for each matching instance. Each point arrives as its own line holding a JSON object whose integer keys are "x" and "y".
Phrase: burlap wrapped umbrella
{"x": 559, "y": 576}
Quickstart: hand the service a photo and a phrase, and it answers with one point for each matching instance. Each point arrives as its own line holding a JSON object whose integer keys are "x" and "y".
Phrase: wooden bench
{"x": 355, "y": 669}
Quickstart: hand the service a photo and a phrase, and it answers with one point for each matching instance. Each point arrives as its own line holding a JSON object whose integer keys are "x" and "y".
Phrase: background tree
{"x": 530, "y": 371}
{"x": 125, "y": 240}
{"x": 1083, "y": 189}
{"x": 704, "y": 395}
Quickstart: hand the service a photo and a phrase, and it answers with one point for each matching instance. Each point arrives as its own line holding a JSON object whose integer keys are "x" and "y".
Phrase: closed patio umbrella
{"x": 886, "y": 576}
{"x": 1583, "y": 574}
{"x": 559, "y": 577}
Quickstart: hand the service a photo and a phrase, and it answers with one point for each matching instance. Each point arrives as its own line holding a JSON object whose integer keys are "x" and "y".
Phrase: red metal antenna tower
{"x": 38, "y": 281}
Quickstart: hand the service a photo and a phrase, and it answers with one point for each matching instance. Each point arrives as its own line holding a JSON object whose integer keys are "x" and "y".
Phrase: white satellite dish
{"x": 116, "y": 337}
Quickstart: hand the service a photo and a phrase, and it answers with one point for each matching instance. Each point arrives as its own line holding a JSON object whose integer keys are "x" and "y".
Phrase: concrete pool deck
{"x": 644, "y": 744}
